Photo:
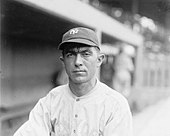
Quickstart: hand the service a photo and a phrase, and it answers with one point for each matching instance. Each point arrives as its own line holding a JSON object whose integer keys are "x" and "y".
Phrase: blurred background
{"x": 134, "y": 36}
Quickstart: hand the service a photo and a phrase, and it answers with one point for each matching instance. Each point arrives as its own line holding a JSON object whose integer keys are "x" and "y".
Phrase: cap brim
{"x": 82, "y": 41}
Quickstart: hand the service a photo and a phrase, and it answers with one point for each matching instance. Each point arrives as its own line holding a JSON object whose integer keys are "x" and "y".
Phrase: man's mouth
{"x": 78, "y": 71}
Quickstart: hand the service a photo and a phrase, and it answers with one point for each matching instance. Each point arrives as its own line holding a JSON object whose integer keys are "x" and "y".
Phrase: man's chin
{"x": 79, "y": 80}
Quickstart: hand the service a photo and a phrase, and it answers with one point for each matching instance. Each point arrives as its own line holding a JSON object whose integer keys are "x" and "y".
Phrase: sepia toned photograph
{"x": 85, "y": 68}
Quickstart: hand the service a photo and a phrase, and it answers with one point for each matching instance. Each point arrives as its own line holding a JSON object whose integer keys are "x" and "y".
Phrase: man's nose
{"x": 78, "y": 60}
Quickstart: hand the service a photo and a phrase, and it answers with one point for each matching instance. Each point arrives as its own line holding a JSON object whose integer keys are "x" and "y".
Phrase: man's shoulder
{"x": 110, "y": 91}
{"x": 113, "y": 95}
{"x": 114, "y": 101}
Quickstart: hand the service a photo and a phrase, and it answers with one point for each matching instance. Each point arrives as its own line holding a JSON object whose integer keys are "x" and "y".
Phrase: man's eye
{"x": 69, "y": 54}
{"x": 86, "y": 54}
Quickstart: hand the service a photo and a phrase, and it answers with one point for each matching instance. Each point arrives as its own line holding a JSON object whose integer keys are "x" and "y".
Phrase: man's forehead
{"x": 78, "y": 47}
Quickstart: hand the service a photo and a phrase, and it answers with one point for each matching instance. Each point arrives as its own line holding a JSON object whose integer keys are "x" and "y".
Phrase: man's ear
{"x": 100, "y": 59}
{"x": 61, "y": 58}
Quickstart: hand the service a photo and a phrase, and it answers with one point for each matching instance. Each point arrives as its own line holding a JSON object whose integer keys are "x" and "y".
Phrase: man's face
{"x": 81, "y": 63}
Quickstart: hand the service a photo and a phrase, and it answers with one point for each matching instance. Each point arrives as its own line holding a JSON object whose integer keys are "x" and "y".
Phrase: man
{"x": 123, "y": 69}
{"x": 84, "y": 106}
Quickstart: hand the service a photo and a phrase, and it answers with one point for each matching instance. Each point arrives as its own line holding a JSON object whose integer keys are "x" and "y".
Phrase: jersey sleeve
{"x": 39, "y": 120}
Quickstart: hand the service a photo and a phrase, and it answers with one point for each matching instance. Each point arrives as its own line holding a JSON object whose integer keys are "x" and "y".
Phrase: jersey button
{"x": 76, "y": 115}
{"x": 77, "y": 99}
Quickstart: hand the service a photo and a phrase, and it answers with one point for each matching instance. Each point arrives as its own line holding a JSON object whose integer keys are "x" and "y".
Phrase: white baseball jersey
{"x": 102, "y": 112}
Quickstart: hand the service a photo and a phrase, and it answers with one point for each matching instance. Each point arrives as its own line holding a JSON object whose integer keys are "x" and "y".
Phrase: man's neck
{"x": 83, "y": 88}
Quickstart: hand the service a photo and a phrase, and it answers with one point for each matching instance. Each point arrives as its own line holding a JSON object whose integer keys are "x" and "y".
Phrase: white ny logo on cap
{"x": 74, "y": 31}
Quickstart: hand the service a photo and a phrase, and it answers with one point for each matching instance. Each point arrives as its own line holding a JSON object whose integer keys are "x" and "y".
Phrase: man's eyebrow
{"x": 71, "y": 51}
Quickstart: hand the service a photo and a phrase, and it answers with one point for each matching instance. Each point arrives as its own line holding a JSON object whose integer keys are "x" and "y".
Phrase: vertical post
{"x": 139, "y": 68}
{"x": 135, "y": 6}
{"x": 99, "y": 36}
{"x": 167, "y": 16}
{"x": 0, "y": 77}
{"x": 0, "y": 69}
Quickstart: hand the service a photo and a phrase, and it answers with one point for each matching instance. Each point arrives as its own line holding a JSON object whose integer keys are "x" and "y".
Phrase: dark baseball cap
{"x": 79, "y": 35}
